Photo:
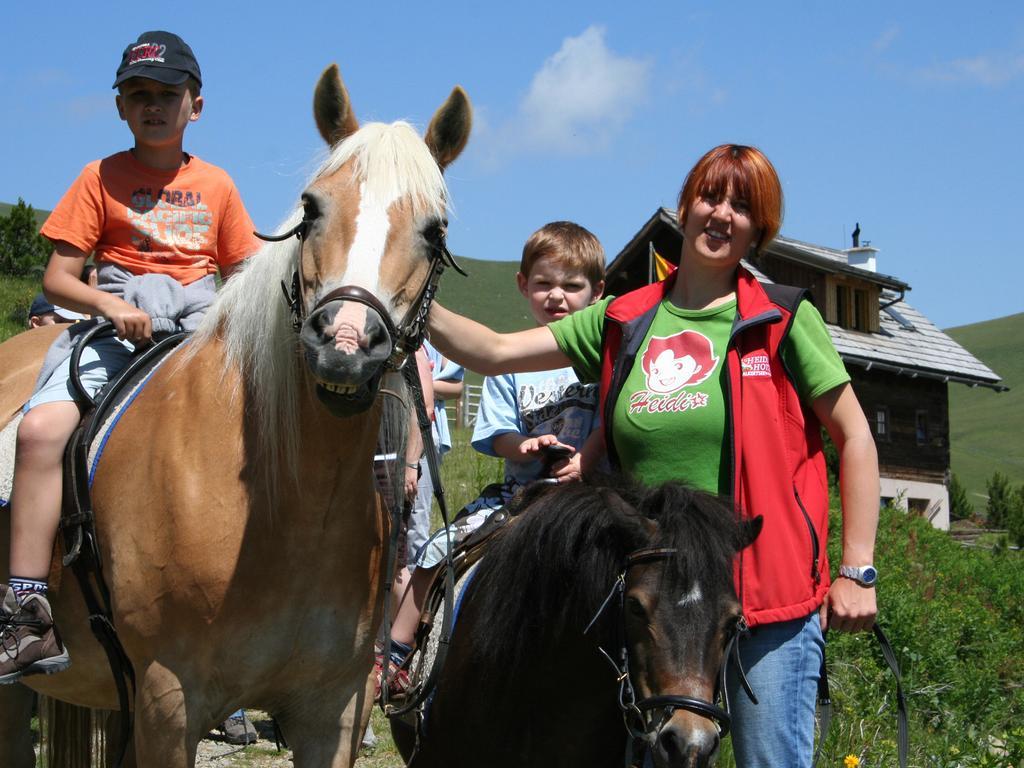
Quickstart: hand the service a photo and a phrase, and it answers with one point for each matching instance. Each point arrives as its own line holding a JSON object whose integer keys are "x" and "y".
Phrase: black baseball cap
{"x": 42, "y": 306}
{"x": 160, "y": 56}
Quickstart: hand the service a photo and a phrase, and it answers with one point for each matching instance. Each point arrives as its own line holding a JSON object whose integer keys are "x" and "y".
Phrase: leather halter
{"x": 406, "y": 336}
{"x": 638, "y": 715}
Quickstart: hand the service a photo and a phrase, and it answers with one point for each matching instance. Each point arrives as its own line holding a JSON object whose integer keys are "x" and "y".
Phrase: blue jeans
{"x": 782, "y": 662}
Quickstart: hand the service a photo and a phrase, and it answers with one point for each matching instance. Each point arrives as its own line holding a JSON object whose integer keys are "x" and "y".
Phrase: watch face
{"x": 868, "y": 575}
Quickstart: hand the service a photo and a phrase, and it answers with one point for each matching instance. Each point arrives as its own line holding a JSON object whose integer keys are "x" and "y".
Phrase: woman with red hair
{"x": 718, "y": 380}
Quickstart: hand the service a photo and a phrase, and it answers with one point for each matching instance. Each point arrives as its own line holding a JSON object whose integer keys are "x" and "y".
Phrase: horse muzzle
{"x": 346, "y": 361}
{"x": 686, "y": 741}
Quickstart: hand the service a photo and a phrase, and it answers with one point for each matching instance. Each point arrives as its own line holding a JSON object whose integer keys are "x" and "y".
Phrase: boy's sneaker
{"x": 399, "y": 682}
{"x": 29, "y": 642}
{"x": 238, "y": 730}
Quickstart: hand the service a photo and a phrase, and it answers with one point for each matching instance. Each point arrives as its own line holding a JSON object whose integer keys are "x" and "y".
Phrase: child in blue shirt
{"x": 561, "y": 271}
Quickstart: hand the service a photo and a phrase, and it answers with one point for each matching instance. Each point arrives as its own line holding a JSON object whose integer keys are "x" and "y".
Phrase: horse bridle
{"x": 406, "y": 336}
{"x": 638, "y": 715}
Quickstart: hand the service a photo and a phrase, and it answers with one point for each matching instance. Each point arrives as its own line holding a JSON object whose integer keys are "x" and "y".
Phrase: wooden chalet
{"x": 900, "y": 363}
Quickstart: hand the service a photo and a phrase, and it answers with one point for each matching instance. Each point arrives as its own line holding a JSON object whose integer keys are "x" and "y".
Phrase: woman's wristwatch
{"x": 865, "y": 575}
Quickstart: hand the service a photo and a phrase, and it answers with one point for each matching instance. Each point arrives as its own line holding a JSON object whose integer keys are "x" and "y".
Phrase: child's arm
{"x": 522, "y": 448}
{"x": 593, "y": 450}
{"x": 62, "y": 284}
{"x": 413, "y": 451}
{"x": 447, "y": 389}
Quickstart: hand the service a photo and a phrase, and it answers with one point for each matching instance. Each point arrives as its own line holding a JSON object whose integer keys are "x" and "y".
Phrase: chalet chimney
{"x": 862, "y": 256}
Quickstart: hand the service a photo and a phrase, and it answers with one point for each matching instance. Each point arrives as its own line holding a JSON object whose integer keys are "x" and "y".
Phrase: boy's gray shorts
{"x": 100, "y": 361}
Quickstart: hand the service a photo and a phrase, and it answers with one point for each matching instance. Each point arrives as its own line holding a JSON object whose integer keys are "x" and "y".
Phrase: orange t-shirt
{"x": 183, "y": 223}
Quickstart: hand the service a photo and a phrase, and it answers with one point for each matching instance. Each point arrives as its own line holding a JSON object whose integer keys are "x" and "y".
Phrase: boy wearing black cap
{"x": 151, "y": 215}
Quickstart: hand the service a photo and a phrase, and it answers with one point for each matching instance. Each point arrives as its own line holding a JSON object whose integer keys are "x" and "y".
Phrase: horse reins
{"x": 407, "y": 336}
{"x": 638, "y": 715}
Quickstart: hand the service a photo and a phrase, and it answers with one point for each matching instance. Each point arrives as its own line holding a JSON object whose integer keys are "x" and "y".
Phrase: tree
{"x": 1015, "y": 521}
{"x": 23, "y": 251}
{"x": 999, "y": 499}
{"x": 960, "y": 507}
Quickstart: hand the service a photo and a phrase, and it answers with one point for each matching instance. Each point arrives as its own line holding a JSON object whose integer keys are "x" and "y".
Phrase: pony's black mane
{"x": 547, "y": 574}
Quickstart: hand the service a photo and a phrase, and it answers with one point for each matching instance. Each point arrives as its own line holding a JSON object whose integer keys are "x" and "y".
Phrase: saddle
{"x": 426, "y": 662}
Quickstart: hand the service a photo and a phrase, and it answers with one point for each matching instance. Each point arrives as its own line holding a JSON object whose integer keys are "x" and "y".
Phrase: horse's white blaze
{"x": 364, "y": 258}
{"x": 691, "y": 597}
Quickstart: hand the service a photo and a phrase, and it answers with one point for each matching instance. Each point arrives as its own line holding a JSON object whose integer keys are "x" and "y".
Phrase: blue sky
{"x": 906, "y": 117}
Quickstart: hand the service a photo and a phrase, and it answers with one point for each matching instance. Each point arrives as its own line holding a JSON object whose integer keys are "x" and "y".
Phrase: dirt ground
{"x": 215, "y": 753}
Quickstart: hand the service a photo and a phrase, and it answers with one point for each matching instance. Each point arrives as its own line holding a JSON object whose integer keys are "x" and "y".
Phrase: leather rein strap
{"x": 407, "y": 335}
{"x": 78, "y": 522}
{"x": 825, "y": 701}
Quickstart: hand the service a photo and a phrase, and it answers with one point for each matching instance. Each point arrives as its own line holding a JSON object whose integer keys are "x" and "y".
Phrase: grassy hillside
{"x": 489, "y": 295}
{"x": 986, "y": 426}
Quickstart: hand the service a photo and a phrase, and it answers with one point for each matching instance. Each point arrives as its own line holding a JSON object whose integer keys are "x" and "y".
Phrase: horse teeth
{"x": 338, "y": 389}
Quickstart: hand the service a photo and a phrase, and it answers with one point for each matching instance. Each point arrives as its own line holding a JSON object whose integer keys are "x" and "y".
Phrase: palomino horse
{"x": 240, "y": 529}
{"x": 597, "y": 602}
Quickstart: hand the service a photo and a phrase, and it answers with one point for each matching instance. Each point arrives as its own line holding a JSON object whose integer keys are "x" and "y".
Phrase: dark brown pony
{"x": 242, "y": 537}
{"x": 526, "y": 685}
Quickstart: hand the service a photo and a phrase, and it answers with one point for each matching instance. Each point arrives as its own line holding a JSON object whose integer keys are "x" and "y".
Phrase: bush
{"x": 23, "y": 251}
{"x": 953, "y": 616}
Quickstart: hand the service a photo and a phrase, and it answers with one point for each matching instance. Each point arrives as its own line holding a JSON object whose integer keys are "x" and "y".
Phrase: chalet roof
{"x": 908, "y": 343}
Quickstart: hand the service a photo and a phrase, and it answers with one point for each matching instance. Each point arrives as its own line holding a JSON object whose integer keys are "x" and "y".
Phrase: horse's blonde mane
{"x": 250, "y": 317}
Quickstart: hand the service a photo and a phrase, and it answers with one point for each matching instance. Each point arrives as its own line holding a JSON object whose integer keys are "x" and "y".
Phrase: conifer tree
{"x": 959, "y": 506}
{"x": 999, "y": 499}
{"x": 23, "y": 251}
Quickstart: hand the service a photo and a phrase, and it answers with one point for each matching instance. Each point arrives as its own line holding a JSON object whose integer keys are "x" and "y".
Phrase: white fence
{"x": 466, "y": 407}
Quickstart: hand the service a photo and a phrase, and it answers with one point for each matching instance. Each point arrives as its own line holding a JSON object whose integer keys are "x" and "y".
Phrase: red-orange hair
{"x": 752, "y": 177}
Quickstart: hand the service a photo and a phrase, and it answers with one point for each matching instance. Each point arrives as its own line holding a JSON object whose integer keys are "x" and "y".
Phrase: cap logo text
{"x": 147, "y": 52}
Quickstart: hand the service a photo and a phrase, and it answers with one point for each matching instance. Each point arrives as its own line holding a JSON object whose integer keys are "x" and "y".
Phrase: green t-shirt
{"x": 673, "y": 402}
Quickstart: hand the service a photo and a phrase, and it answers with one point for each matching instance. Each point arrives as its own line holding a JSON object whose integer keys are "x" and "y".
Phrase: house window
{"x": 859, "y": 321}
{"x": 921, "y": 427}
{"x": 882, "y": 423}
{"x": 852, "y": 306}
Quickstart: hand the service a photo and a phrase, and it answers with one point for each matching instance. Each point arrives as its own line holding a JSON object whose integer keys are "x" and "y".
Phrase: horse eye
{"x": 635, "y": 607}
{"x": 434, "y": 233}
{"x": 310, "y": 208}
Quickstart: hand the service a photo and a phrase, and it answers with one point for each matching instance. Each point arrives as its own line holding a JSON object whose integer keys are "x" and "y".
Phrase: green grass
{"x": 986, "y": 426}
{"x": 16, "y": 294}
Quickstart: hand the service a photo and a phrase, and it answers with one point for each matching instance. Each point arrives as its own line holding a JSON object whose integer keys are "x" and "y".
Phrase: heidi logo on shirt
{"x": 670, "y": 364}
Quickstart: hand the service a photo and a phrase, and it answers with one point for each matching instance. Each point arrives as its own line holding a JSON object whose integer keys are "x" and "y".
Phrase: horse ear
{"x": 449, "y": 129}
{"x": 748, "y": 531}
{"x": 332, "y": 109}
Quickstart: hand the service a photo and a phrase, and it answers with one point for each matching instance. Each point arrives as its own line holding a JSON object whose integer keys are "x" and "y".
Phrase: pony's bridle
{"x": 406, "y": 336}
{"x": 639, "y": 716}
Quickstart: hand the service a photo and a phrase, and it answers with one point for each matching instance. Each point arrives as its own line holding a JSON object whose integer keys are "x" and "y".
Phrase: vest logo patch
{"x": 756, "y": 365}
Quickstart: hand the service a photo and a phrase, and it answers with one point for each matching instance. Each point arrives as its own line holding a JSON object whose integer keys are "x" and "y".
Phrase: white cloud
{"x": 582, "y": 96}
{"x": 577, "y": 102}
{"x": 990, "y": 70}
{"x": 886, "y": 38}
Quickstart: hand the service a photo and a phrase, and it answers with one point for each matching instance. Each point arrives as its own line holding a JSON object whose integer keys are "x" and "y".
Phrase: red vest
{"x": 777, "y": 463}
